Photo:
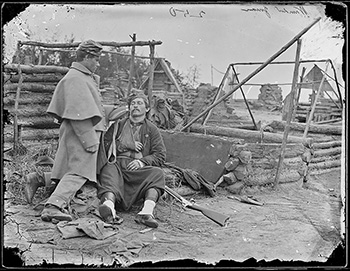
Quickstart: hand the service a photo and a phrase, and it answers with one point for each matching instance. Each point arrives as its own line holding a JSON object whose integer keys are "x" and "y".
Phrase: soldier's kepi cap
{"x": 91, "y": 47}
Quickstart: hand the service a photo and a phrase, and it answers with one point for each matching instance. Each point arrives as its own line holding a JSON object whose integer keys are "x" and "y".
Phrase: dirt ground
{"x": 297, "y": 225}
{"x": 293, "y": 224}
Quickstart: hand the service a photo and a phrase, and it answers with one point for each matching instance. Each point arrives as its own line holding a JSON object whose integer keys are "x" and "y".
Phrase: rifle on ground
{"x": 213, "y": 215}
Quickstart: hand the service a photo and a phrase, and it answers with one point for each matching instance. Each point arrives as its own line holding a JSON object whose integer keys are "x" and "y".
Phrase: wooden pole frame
{"x": 217, "y": 94}
{"x": 16, "y": 126}
{"x": 132, "y": 64}
{"x": 151, "y": 75}
{"x": 267, "y": 62}
{"x": 103, "y": 43}
{"x": 298, "y": 93}
{"x": 290, "y": 113}
{"x": 314, "y": 103}
{"x": 245, "y": 100}
{"x": 302, "y": 61}
{"x": 132, "y": 44}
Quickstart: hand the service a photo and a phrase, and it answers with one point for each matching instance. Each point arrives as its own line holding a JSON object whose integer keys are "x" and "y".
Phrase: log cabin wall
{"x": 35, "y": 92}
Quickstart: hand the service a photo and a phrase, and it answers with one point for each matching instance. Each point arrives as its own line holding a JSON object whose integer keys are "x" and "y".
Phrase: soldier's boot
{"x": 32, "y": 182}
{"x": 51, "y": 212}
{"x": 145, "y": 216}
{"x": 50, "y": 185}
{"x": 107, "y": 209}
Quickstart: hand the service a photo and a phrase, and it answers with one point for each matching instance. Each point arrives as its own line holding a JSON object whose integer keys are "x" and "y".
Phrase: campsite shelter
{"x": 164, "y": 81}
{"x": 327, "y": 107}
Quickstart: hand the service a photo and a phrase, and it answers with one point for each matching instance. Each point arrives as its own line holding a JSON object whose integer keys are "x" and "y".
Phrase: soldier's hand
{"x": 92, "y": 149}
{"x": 134, "y": 165}
{"x": 138, "y": 146}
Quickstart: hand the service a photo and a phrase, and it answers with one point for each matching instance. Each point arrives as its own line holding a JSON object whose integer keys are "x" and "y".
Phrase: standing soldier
{"x": 77, "y": 105}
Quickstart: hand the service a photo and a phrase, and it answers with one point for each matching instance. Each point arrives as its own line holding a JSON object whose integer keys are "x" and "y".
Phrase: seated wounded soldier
{"x": 128, "y": 164}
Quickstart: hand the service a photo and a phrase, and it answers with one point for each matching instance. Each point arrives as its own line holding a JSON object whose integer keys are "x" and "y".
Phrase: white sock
{"x": 110, "y": 204}
{"x": 148, "y": 207}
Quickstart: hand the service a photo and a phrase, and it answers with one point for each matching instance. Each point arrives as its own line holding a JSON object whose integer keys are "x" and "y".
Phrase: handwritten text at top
{"x": 174, "y": 12}
{"x": 295, "y": 10}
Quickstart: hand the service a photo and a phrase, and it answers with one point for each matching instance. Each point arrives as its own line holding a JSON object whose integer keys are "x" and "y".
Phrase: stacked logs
{"x": 265, "y": 157}
{"x": 28, "y": 90}
{"x": 323, "y": 111}
{"x": 326, "y": 156}
{"x": 27, "y": 93}
{"x": 325, "y": 153}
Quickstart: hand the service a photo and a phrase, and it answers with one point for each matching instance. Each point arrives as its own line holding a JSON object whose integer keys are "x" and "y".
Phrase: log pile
{"x": 314, "y": 128}
{"x": 326, "y": 157}
{"x": 324, "y": 110}
{"x": 32, "y": 86}
{"x": 247, "y": 135}
{"x": 264, "y": 162}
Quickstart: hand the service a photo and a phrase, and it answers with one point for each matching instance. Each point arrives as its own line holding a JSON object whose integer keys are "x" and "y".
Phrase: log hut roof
{"x": 161, "y": 67}
{"x": 313, "y": 79}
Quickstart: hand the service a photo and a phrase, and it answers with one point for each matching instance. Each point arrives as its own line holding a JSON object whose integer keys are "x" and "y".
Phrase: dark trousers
{"x": 129, "y": 186}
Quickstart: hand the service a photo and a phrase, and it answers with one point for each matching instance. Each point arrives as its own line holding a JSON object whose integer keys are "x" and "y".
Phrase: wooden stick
{"x": 329, "y": 96}
{"x": 267, "y": 62}
{"x": 298, "y": 94}
{"x": 336, "y": 94}
{"x": 245, "y": 100}
{"x": 103, "y": 43}
{"x": 314, "y": 104}
{"x": 329, "y": 121}
{"x": 325, "y": 145}
{"x": 36, "y": 69}
{"x": 217, "y": 95}
{"x": 246, "y": 134}
{"x": 103, "y": 51}
{"x": 151, "y": 74}
{"x": 314, "y": 128}
{"x": 337, "y": 84}
{"x": 42, "y": 78}
{"x": 34, "y": 87}
{"x": 132, "y": 64}
{"x": 290, "y": 113}
{"x": 16, "y": 126}
{"x": 278, "y": 62}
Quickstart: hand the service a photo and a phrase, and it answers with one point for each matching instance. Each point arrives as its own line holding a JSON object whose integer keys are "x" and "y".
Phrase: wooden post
{"x": 267, "y": 62}
{"x": 329, "y": 96}
{"x": 151, "y": 75}
{"x": 40, "y": 57}
{"x": 245, "y": 100}
{"x": 337, "y": 84}
{"x": 289, "y": 114}
{"x": 132, "y": 64}
{"x": 16, "y": 127}
{"x": 217, "y": 95}
{"x": 298, "y": 94}
{"x": 315, "y": 102}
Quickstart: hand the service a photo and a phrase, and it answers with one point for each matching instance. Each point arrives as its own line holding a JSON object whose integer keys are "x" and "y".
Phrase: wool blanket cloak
{"x": 77, "y": 100}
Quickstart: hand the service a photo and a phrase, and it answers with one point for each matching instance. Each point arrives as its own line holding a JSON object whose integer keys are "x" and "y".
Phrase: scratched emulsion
{"x": 316, "y": 43}
{"x": 303, "y": 225}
